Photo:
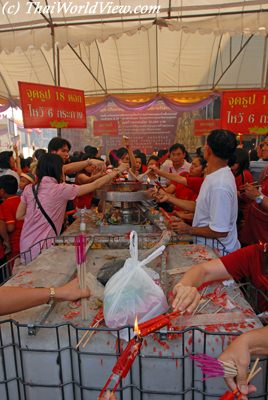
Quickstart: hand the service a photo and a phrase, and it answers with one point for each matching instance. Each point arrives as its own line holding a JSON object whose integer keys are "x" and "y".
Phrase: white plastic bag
{"x": 132, "y": 292}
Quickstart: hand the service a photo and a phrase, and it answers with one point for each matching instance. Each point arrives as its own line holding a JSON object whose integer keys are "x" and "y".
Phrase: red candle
{"x": 128, "y": 356}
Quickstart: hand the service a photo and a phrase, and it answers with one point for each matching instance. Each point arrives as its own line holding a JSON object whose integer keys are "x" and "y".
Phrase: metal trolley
{"x": 33, "y": 367}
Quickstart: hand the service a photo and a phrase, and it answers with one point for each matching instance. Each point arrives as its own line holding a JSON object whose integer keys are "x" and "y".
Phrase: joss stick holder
{"x": 80, "y": 251}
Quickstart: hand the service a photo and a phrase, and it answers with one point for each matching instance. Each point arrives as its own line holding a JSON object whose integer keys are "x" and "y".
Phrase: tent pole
{"x": 156, "y": 44}
{"x": 85, "y": 65}
{"x": 232, "y": 61}
{"x": 58, "y": 79}
{"x": 264, "y": 79}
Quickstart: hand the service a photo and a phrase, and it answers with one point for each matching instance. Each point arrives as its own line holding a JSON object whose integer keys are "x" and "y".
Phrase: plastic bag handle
{"x": 152, "y": 256}
{"x": 133, "y": 246}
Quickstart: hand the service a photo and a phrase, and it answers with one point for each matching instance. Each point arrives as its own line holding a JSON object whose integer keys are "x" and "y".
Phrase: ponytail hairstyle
{"x": 49, "y": 165}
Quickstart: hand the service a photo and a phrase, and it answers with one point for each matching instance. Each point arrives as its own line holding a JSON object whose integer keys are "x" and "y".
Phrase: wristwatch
{"x": 259, "y": 199}
{"x": 52, "y": 295}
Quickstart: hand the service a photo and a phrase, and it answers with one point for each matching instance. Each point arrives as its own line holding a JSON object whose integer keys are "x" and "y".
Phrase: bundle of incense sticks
{"x": 99, "y": 318}
{"x": 212, "y": 367}
{"x": 80, "y": 252}
{"x": 235, "y": 394}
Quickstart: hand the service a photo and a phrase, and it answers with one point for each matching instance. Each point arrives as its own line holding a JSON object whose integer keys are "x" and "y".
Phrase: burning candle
{"x": 127, "y": 358}
{"x": 136, "y": 327}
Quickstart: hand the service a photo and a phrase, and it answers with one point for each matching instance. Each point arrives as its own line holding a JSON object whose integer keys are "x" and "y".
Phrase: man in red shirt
{"x": 250, "y": 262}
{"x": 8, "y": 190}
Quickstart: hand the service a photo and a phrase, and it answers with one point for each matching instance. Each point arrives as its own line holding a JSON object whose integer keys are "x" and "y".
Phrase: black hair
{"x": 57, "y": 143}
{"x": 177, "y": 146}
{"x": 49, "y": 165}
{"x": 121, "y": 152}
{"x": 222, "y": 143}
{"x": 39, "y": 153}
{"x": 199, "y": 151}
{"x": 91, "y": 151}
{"x": 9, "y": 183}
{"x": 241, "y": 158}
{"x": 253, "y": 155}
{"x": 202, "y": 161}
{"x": 113, "y": 158}
{"x": 153, "y": 158}
{"x": 5, "y": 159}
{"x": 162, "y": 152}
{"x": 141, "y": 155}
{"x": 26, "y": 162}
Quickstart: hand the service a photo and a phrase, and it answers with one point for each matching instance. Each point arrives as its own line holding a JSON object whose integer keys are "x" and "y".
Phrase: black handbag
{"x": 49, "y": 220}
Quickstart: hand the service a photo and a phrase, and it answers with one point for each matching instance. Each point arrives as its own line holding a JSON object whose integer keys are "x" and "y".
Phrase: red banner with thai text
{"x": 202, "y": 127}
{"x": 45, "y": 106}
{"x": 245, "y": 111}
{"x": 103, "y": 128}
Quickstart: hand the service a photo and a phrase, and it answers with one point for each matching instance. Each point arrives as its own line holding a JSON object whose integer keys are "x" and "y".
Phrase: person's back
{"x": 53, "y": 196}
{"x": 217, "y": 204}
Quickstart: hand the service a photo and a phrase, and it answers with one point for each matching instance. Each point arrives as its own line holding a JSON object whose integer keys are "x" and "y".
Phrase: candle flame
{"x": 148, "y": 180}
{"x": 136, "y": 326}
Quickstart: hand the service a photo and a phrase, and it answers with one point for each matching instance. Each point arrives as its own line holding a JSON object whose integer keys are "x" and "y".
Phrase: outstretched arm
{"x": 185, "y": 291}
{"x": 170, "y": 176}
{"x": 13, "y": 299}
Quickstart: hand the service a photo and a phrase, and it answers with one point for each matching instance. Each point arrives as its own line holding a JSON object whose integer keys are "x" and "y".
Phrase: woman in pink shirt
{"x": 53, "y": 195}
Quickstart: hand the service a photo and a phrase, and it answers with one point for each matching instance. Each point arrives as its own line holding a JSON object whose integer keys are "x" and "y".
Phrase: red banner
{"x": 202, "y": 127}
{"x": 103, "y": 128}
{"x": 45, "y": 106}
{"x": 245, "y": 111}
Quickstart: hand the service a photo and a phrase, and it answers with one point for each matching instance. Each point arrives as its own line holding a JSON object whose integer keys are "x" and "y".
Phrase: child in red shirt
{"x": 8, "y": 190}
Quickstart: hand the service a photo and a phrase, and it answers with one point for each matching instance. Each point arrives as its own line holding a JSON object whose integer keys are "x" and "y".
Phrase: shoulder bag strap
{"x": 49, "y": 220}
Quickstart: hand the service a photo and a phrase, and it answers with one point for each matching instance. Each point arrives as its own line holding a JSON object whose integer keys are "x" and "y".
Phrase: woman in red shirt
{"x": 240, "y": 168}
{"x": 185, "y": 186}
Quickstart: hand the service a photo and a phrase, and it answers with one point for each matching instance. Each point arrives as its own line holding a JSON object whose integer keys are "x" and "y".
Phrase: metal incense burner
{"x": 121, "y": 202}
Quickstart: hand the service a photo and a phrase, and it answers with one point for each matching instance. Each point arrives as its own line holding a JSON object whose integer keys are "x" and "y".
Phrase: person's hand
{"x": 238, "y": 353}
{"x": 98, "y": 164}
{"x": 15, "y": 148}
{"x": 123, "y": 167}
{"x": 180, "y": 227}
{"x": 186, "y": 298}
{"x": 154, "y": 169}
{"x": 71, "y": 292}
{"x": 250, "y": 191}
{"x": 108, "y": 396}
{"x": 126, "y": 141}
{"x": 161, "y": 196}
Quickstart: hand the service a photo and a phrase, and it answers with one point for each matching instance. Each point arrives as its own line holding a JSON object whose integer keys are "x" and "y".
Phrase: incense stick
{"x": 202, "y": 294}
{"x": 252, "y": 371}
{"x": 255, "y": 373}
{"x": 221, "y": 307}
{"x": 91, "y": 333}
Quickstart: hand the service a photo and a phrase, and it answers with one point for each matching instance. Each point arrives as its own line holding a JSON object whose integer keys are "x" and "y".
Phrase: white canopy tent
{"x": 190, "y": 45}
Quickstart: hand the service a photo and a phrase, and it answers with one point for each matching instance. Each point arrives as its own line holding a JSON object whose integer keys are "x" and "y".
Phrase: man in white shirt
{"x": 176, "y": 163}
{"x": 215, "y": 209}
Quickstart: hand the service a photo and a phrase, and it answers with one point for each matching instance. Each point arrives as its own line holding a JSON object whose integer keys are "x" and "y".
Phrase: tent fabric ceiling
{"x": 189, "y": 45}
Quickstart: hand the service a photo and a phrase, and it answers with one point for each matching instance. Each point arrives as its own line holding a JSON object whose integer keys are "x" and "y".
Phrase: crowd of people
{"x": 219, "y": 194}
